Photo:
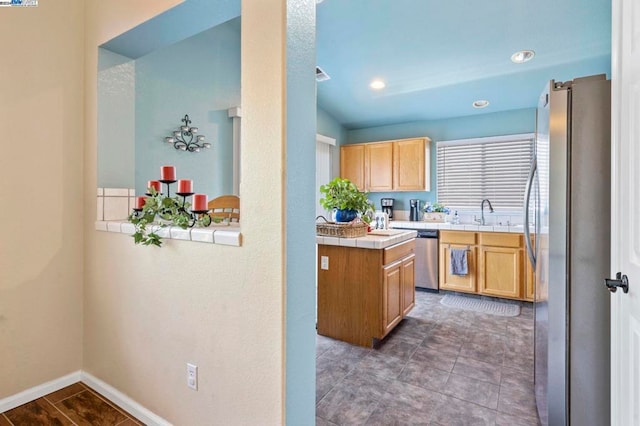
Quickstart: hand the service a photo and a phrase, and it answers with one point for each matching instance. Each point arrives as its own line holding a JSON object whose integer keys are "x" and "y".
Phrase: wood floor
{"x": 76, "y": 404}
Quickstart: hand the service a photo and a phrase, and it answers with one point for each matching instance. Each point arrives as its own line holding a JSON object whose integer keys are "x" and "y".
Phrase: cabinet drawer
{"x": 458, "y": 237}
{"x": 398, "y": 251}
{"x": 500, "y": 239}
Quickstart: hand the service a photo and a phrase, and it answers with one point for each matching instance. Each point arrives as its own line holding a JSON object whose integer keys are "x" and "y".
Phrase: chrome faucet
{"x": 482, "y": 210}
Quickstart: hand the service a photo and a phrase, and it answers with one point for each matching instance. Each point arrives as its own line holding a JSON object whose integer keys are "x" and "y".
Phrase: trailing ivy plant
{"x": 169, "y": 210}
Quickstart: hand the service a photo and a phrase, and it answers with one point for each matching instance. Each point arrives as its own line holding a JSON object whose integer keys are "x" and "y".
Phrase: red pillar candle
{"x": 199, "y": 202}
{"x": 167, "y": 173}
{"x": 155, "y": 184}
{"x": 140, "y": 202}
{"x": 185, "y": 185}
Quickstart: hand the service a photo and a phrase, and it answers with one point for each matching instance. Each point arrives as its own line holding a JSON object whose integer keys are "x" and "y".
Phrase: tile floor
{"x": 440, "y": 366}
{"x": 76, "y": 404}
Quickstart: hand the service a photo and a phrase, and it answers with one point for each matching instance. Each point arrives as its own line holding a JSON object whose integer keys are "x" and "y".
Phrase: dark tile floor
{"x": 76, "y": 404}
{"x": 440, "y": 366}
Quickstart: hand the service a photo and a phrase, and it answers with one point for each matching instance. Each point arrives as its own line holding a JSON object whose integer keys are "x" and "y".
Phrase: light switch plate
{"x": 192, "y": 376}
{"x": 324, "y": 262}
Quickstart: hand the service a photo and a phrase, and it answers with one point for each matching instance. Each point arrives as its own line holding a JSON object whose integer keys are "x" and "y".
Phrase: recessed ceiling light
{"x": 480, "y": 103}
{"x": 522, "y": 56}
{"x": 377, "y": 84}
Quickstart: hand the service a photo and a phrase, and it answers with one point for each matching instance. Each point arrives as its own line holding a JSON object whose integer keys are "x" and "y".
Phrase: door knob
{"x": 621, "y": 281}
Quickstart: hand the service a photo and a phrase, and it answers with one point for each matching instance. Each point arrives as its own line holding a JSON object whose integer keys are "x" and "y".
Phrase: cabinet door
{"x": 352, "y": 164}
{"x": 391, "y": 296}
{"x": 379, "y": 166}
{"x": 464, "y": 283}
{"x": 408, "y": 284}
{"x": 501, "y": 271}
{"x": 410, "y": 165}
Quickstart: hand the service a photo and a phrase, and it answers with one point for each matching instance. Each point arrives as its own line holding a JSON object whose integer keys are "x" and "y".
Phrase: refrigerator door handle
{"x": 527, "y": 199}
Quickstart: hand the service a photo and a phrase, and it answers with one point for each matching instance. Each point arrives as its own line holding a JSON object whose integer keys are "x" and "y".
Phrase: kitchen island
{"x": 365, "y": 285}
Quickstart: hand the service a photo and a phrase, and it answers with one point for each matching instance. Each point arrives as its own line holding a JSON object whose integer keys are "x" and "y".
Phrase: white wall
{"x": 149, "y": 311}
{"x": 41, "y": 119}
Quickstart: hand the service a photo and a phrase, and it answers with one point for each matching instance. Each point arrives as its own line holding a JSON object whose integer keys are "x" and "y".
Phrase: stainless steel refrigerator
{"x": 567, "y": 202}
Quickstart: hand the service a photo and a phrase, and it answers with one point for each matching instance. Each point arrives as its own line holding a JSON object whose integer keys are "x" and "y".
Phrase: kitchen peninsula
{"x": 365, "y": 285}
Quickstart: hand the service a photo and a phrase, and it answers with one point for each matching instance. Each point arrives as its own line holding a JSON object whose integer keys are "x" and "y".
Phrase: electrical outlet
{"x": 192, "y": 376}
{"x": 324, "y": 262}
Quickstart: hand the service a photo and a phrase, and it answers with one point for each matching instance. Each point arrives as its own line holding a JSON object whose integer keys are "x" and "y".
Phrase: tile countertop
{"x": 228, "y": 235}
{"x": 400, "y": 224}
{"x": 383, "y": 239}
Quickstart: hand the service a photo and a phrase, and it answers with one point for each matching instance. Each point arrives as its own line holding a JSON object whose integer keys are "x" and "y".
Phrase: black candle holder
{"x": 194, "y": 217}
{"x": 168, "y": 183}
{"x": 184, "y": 196}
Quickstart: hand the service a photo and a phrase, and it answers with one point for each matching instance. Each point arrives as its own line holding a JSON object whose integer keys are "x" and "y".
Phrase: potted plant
{"x": 345, "y": 197}
{"x": 435, "y": 212}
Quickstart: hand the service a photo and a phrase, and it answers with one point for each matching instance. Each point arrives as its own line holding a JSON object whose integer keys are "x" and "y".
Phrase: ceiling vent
{"x": 321, "y": 75}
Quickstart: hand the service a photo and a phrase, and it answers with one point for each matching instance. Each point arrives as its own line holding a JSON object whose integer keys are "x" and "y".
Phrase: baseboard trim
{"x": 39, "y": 391}
{"x": 126, "y": 403}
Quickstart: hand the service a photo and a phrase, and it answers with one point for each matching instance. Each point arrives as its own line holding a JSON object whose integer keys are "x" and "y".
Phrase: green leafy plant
{"x": 436, "y": 208}
{"x": 343, "y": 194}
{"x": 159, "y": 212}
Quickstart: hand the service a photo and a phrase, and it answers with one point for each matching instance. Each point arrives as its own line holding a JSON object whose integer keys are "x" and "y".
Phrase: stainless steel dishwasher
{"x": 427, "y": 259}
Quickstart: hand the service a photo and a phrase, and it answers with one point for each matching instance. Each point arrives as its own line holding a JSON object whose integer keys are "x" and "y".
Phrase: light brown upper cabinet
{"x": 352, "y": 164}
{"x": 379, "y": 166}
{"x": 410, "y": 165}
{"x": 398, "y": 165}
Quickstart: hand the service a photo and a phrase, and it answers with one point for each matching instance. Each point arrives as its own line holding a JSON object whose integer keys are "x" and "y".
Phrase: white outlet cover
{"x": 324, "y": 262}
{"x": 192, "y": 376}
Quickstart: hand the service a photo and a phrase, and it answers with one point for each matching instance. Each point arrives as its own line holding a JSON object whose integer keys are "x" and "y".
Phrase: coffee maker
{"x": 414, "y": 214}
{"x": 387, "y": 206}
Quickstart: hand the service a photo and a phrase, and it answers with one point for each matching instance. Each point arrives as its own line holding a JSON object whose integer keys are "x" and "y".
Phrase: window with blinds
{"x": 473, "y": 169}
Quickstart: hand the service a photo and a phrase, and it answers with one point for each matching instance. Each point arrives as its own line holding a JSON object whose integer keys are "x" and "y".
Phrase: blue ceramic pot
{"x": 345, "y": 215}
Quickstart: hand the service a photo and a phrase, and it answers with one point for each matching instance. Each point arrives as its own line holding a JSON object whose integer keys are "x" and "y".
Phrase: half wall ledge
{"x": 215, "y": 234}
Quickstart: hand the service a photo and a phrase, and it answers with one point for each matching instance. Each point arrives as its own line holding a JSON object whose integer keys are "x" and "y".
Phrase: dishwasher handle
{"x": 427, "y": 233}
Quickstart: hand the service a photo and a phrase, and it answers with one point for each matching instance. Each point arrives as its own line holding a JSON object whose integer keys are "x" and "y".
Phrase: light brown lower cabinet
{"x": 501, "y": 272}
{"x": 408, "y": 283}
{"x": 392, "y": 296}
{"x": 496, "y": 264}
{"x": 365, "y": 293}
{"x": 500, "y": 268}
{"x": 458, "y": 240}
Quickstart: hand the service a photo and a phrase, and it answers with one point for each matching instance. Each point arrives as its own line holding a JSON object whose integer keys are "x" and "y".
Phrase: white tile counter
{"x": 402, "y": 224}
{"x": 377, "y": 239}
{"x": 228, "y": 235}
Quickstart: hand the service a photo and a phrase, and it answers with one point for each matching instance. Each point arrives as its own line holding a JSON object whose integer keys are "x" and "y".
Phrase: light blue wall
{"x": 495, "y": 124}
{"x": 178, "y": 23}
{"x": 300, "y": 232}
{"x": 199, "y": 76}
{"x": 116, "y": 120}
{"x": 329, "y": 126}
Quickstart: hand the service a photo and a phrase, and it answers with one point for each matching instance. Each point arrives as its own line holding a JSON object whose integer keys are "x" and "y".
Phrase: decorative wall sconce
{"x": 183, "y": 139}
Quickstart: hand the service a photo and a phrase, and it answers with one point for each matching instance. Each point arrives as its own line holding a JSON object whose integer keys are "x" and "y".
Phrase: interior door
{"x": 323, "y": 173}
{"x": 625, "y": 241}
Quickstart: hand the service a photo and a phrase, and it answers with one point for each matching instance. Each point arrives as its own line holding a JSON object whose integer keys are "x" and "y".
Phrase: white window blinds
{"x": 473, "y": 169}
